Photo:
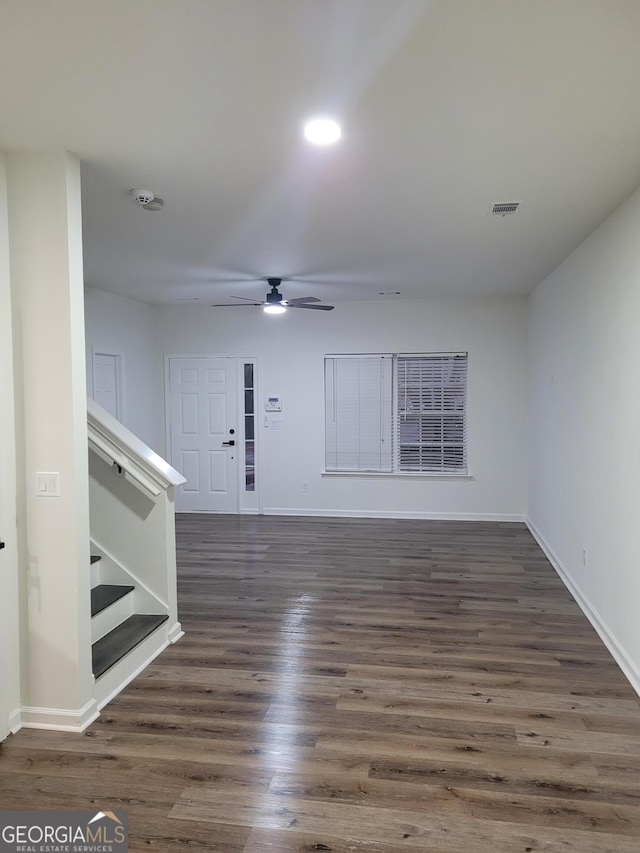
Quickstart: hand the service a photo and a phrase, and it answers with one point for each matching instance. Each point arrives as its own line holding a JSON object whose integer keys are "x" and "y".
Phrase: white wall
{"x": 121, "y": 326}
{"x": 585, "y": 426}
{"x": 45, "y": 249}
{"x": 10, "y": 679}
{"x": 290, "y": 349}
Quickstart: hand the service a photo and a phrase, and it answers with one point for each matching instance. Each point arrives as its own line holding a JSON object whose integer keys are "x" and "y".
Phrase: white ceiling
{"x": 447, "y": 106}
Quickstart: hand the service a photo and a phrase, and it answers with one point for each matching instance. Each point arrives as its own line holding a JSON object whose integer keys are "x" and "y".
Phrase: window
{"x": 358, "y": 403}
{"x": 396, "y": 412}
{"x": 431, "y": 395}
{"x": 249, "y": 429}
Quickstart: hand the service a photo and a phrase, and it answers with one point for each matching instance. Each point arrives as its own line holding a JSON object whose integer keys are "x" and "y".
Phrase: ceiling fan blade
{"x": 313, "y": 307}
{"x": 246, "y": 299}
{"x": 233, "y": 305}
{"x": 299, "y": 300}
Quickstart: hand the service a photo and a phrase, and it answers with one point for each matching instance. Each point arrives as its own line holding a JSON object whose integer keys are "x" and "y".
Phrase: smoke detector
{"x": 146, "y": 198}
{"x": 142, "y": 196}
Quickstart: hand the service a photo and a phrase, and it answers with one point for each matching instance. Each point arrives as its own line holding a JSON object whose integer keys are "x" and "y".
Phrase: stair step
{"x": 95, "y": 558}
{"x": 105, "y": 594}
{"x": 117, "y": 643}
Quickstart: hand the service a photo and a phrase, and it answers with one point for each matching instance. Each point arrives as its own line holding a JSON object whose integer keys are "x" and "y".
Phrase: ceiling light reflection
{"x": 322, "y": 131}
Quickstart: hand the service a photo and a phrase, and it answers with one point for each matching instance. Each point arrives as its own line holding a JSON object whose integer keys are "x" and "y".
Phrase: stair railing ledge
{"x": 117, "y": 445}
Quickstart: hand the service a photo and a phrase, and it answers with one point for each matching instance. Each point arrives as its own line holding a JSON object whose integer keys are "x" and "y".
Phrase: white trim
{"x": 119, "y": 364}
{"x": 167, "y": 405}
{"x": 175, "y": 633}
{"x": 15, "y": 720}
{"x": 358, "y": 355}
{"x": 104, "y": 450}
{"x": 401, "y": 475}
{"x": 626, "y": 664}
{"x": 427, "y": 516}
{"x": 212, "y": 512}
{"x": 60, "y": 719}
{"x": 108, "y": 436}
{"x": 251, "y": 511}
{"x": 10, "y": 611}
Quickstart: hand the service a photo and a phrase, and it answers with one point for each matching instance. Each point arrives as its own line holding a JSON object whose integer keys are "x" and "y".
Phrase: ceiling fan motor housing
{"x": 274, "y": 298}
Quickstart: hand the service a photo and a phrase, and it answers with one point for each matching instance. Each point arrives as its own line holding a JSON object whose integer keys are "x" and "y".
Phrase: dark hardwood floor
{"x": 359, "y": 685}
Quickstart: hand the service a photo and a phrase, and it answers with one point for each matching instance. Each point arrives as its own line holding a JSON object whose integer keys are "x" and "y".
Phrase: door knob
{"x": 229, "y": 443}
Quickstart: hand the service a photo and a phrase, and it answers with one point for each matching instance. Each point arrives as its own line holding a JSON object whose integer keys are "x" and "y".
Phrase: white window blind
{"x": 396, "y": 412}
{"x": 358, "y": 411}
{"x": 431, "y": 412}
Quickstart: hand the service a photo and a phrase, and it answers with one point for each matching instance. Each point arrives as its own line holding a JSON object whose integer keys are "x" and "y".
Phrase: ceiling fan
{"x": 275, "y": 304}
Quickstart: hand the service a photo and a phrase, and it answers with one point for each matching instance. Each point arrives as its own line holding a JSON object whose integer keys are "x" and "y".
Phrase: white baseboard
{"x": 59, "y": 719}
{"x": 428, "y": 516}
{"x": 175, "y": 633}
{"x": 15, "y": 720}
{"x": 251, "y": 511}
{"x": 626, "y": 664}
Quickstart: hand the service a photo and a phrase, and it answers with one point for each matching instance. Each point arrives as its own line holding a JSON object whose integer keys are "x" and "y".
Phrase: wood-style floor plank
{"x": 359, "y": 685}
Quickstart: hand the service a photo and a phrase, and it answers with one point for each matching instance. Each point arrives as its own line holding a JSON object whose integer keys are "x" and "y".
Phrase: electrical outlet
{"x": 304, "y": 487}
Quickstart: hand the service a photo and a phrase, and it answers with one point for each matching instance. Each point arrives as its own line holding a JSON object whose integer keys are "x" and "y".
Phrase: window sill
{"x": 397, "y": 475}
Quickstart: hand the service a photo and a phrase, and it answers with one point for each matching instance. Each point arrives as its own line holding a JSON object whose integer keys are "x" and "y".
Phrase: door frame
{"x": 248, "y": 503}
{"x": 119, "y": 359}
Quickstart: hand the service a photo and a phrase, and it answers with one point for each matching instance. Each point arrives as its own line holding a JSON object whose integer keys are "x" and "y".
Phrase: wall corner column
{"x": 45, "y": 246}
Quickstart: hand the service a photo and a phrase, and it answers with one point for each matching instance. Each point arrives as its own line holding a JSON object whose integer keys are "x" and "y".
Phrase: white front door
{"x": 203, "y": 432}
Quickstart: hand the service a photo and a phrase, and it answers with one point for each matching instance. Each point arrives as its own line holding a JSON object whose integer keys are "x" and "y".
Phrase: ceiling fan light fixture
{"x": 275, "y": 304}
{"x": 322, "y": 131}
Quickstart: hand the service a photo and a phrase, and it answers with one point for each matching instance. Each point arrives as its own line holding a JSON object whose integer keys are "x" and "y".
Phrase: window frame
{"x": 461, "y": 472}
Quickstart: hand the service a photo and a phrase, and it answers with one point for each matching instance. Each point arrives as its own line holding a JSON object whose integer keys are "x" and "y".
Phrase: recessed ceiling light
{"x": 322, "y": 131}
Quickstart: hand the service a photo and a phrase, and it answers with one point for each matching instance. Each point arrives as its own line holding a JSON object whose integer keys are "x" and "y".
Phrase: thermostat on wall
{"x": 273, "y": 404}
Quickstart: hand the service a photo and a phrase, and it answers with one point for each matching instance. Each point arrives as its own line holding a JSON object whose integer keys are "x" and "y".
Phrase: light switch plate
{"x": 48, "y": 484}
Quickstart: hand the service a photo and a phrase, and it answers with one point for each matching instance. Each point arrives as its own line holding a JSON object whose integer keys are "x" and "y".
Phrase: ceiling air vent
{"x": 503, "y": 208}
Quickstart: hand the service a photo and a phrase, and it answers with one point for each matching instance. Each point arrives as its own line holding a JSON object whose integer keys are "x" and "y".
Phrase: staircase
{"x": 116, "y": 629}
{"x": 133, "y": 567}
{"x": 125, "y": 635}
